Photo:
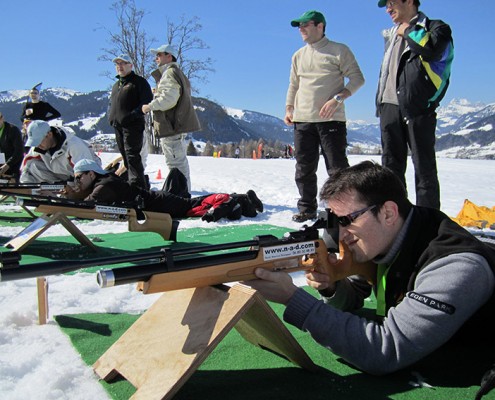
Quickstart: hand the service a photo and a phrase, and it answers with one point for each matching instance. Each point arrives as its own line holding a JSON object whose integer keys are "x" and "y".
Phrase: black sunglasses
{"x": 348, "y": 219}
{"x": 78, "y": 177}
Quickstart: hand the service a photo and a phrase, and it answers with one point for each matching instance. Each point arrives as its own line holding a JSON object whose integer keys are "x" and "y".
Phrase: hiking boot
{"x": 304, "y": 216}
{"x": 254, "y": 200}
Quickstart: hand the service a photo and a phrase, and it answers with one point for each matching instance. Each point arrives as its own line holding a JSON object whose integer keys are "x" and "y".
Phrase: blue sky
{"x": 58, "y": 42}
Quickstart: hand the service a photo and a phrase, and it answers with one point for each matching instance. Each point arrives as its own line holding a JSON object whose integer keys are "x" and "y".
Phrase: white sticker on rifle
{"x": 110, "y": 209}
{"x": 52, "y": 187}
{"x": 288, "y": 250}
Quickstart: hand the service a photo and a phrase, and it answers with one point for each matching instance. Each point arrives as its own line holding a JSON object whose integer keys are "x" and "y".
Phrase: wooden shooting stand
{"x": 168, "y": 343}
{"x": 30, "y": 233}
{"x": 40, "y": 225}
{"x": 160, "y": 223}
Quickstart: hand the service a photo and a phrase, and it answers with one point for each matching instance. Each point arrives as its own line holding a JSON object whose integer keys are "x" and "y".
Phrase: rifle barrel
{"x": 121, "y": 276}
{"x": 10, "y": 271}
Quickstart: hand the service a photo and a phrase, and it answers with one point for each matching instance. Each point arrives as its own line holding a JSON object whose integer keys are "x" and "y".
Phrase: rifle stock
{"x": 172, "y": 269}
{"x": 297, "y": 251}
{"x": 234, "y": 271}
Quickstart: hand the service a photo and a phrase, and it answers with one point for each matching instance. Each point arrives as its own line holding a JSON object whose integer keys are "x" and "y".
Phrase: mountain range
{"x": 464, "y": 129}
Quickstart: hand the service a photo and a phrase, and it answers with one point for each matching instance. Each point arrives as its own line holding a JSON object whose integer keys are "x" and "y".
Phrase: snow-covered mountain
{"x": 465, "y": 129}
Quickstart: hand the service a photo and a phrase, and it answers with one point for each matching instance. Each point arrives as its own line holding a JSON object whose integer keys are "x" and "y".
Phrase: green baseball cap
{"x": 312, "y": 15}
{"x": 382, "y": 3}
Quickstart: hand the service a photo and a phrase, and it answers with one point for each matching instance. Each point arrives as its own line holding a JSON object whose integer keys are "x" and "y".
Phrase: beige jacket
{"x": 317, "y": 74}
{"x": 172, "y": 106}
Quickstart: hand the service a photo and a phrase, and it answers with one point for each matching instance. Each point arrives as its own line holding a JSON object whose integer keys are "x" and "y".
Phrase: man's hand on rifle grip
{"x": 326, "y": 270}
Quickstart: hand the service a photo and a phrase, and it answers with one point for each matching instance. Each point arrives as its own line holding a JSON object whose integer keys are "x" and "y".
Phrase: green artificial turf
{"x": 238, "y": 370}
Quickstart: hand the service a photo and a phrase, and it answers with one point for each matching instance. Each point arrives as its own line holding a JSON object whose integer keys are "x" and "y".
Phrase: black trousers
{"x": 130, "y": 143}
{"x": 417, "y": 134}
{"x": 309, "y": 137}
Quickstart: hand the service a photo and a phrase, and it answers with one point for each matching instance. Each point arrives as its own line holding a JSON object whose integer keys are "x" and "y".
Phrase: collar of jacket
{"x": 124, "y": 79}
{"x": 320, "y": 43}
{"x": 158, "y": 73}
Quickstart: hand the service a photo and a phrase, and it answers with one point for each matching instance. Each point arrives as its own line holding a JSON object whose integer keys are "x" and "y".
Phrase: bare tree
{"x": 130, "y": 38}
{"x": 183, "y": 35}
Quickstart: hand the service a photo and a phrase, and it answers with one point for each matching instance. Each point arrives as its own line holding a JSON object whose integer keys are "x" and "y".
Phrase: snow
{"x": 234, "y": 112}
{"x": 87, "y": 123}
{"x": 39, "y": 362}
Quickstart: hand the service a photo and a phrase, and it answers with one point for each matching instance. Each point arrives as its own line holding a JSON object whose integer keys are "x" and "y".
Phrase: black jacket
{"x": 110, "y": 189}
{"x": 423, "y": 74}
{"x": 433, "y": 235}
{"x": 12, "y": 146}
{"x": 128, "y": 96}
{"x": 41, "y": 110}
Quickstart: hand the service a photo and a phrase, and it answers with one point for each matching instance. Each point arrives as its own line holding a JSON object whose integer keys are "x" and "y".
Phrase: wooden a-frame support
{"x": 168, "y": 343}
{"x": 40, "y": 225}
{"x": 160, "y": 223}
{"x": 30, "y": 233}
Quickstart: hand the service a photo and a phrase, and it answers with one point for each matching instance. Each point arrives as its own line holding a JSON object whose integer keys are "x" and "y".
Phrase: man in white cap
{"x": 129, "y": 94}
{"x": 173, "y": 110}
{"x": 53, "y": 153}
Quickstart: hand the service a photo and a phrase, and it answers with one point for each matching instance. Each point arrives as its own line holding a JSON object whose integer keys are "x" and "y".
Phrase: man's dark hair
{"x": 373, "y": 183}
{"x": 417, "y": 3}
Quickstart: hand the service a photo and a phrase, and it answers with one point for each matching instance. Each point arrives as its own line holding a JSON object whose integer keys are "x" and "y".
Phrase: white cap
{"x": 36, "y": 131}
{"x": 165, "y": 48}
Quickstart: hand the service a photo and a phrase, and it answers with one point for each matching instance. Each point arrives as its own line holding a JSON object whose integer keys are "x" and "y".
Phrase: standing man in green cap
{"x": 414, "y": 77}
{"x": 323, "y": 74}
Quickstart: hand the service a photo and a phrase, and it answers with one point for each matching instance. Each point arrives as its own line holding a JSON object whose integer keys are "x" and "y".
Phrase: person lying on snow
{"x": 93, "y": 183}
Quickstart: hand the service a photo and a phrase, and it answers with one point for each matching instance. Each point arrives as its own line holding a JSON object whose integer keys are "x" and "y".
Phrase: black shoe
{"x": 255, "y": 201}
{"x": 303, "y": 216}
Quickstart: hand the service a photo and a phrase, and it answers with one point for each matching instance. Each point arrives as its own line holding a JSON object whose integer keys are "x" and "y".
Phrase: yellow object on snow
{"x": 475, "y": 216}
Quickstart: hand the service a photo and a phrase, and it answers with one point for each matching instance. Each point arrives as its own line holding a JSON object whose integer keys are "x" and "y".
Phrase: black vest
{"x": 433, "y": 235}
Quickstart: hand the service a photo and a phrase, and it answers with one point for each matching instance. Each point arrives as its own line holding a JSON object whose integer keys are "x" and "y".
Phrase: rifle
{"x": 171, "y": 269}
{"x": 8, "y": 188}
{"x": 132, "y": 212}
{"x": 192, "y": 259}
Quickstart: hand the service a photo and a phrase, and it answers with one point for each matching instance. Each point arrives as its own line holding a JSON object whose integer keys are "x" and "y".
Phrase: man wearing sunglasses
{"x": 323, "y": 75}
{"x": 94, "y": 183}
{"x": 129, "y": 93}
{"x": 35, "y": 109}
{"x": 414, "y": 77}
{"x": 433, "y": 281}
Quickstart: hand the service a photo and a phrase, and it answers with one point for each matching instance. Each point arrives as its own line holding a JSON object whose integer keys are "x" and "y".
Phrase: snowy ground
{"x": 38, "y": 362}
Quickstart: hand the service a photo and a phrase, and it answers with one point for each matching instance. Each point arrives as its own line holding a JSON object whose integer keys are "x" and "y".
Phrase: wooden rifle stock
{"x": 160, "y": 223}
{"x": 232, "y": 271}
{"x": 244, "y": 270}
{"x": 146, "y": 221}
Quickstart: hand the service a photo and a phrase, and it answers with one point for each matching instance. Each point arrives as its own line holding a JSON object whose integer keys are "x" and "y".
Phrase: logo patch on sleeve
{"x": 428, "y": 301}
